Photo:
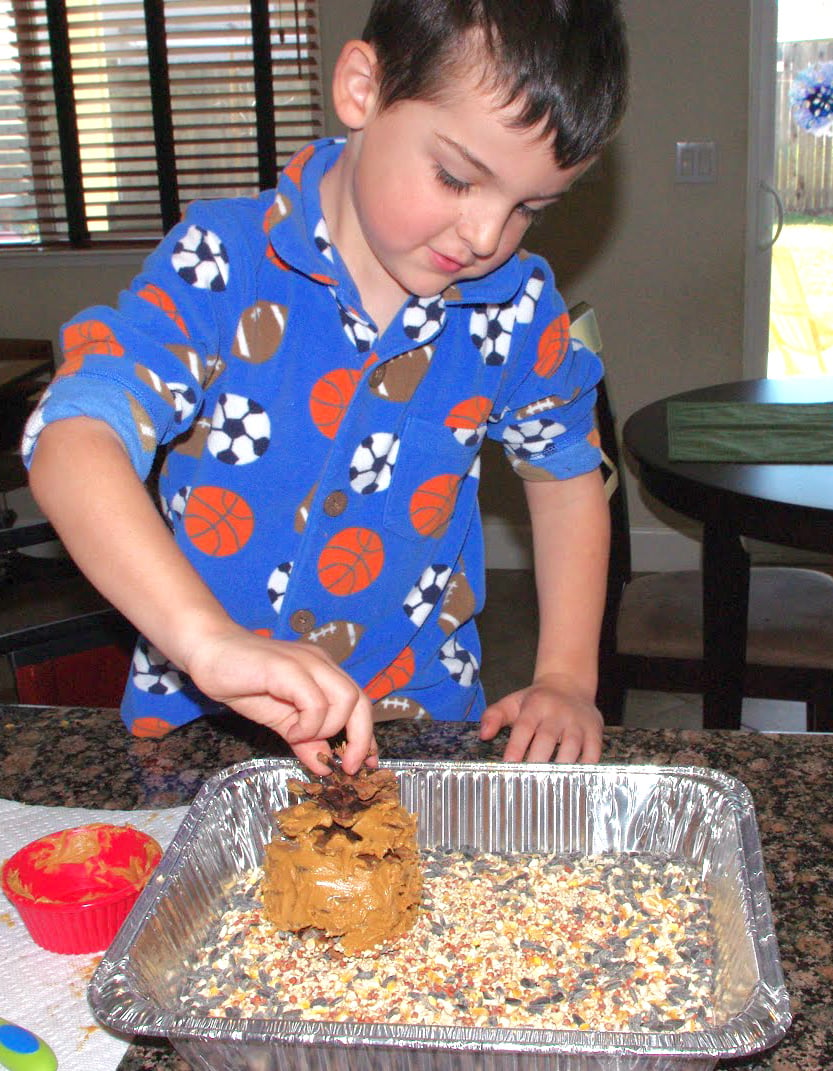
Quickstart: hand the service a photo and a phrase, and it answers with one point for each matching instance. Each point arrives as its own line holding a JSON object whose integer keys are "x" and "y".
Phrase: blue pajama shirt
{"x": 321, "y": 478}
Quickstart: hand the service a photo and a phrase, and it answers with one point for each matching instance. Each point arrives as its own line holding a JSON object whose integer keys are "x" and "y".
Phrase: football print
{"x": 423, "y": 317}
{"x": 460, "y": 663}
{"x": 458, "y": 604}
{"x": 426, "y": 593}
{"x": 200, "y": 258}
{"x": 400, "y": 377}
{"x": 338, "y": 638}
{"x": 277, "y": 584}
{"x": 372, "y": 464}
{"x": 490, "y": 328}
{"x": 532, "y": 438}
{"x": 260, "y": 331}
{"x": 153, "y": 673}
{"x": 240, "y": 430}
{"x": 399, "y": 706}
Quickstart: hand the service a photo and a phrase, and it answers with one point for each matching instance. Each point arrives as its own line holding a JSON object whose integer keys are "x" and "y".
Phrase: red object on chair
{"x": 93, "y": 678}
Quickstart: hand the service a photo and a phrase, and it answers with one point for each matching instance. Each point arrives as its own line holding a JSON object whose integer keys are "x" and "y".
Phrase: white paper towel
{"x": 46, "y": 992}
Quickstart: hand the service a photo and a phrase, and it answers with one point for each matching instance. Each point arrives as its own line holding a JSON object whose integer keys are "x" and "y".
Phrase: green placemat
{"x": 751, "y": 431}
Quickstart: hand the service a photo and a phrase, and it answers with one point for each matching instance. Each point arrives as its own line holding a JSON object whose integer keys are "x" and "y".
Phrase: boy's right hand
{"x": 292, "y": 687}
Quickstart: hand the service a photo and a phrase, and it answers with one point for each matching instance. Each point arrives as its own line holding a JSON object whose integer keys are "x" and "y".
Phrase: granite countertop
{"x": 85, "y": 758}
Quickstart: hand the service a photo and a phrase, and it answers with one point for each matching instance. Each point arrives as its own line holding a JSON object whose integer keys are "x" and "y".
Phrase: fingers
{"x": 545, "y": 727}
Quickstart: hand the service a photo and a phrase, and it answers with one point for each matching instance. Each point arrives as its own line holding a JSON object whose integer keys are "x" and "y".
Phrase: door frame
{"x": 762, "y": 206}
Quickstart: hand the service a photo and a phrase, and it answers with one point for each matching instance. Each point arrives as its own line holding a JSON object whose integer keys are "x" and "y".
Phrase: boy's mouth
{"x": 446, "y": 264}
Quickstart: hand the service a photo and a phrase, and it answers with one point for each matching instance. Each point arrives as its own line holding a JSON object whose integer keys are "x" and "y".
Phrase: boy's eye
{"x": 531, "y": 215}
{"x": 449, "y": 181}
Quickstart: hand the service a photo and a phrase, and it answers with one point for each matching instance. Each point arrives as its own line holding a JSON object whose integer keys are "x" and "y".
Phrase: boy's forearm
{"x": 83, "y": 481}
{"x": 571, "y": 542}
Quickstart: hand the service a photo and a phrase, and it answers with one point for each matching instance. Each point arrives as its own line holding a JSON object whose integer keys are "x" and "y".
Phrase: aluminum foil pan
{"x": 700, "y": 816}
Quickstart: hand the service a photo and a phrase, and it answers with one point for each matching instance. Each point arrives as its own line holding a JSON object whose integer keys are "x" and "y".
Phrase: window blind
{"x": 114, "y": 114}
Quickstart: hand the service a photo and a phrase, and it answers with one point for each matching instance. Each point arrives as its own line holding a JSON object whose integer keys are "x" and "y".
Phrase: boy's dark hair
{"x": 566, "y": 60}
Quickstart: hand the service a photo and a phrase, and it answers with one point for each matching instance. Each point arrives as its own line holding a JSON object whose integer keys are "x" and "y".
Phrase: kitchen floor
{"x": 508, "y": 631}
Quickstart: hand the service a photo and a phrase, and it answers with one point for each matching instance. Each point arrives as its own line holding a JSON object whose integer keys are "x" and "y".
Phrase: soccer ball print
{"x": 532, "y": 438}
{"x": 491, "y": 328}
{"x": 240, "y": 430}
{"x": 185, "y": 400}
{"x": 277, "y": 584}
{"x": 153, "y": 673}
{"x": 460, "y": 663}
{"x": 532, "y": 291}
{"x": 372, "y": 464}
{"x": 200, "y": 258}
{"x": 426, "y": 593}
{"x": 423, "y": 317}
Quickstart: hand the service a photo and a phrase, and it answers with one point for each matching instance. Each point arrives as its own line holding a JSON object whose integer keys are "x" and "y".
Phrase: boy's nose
{"x": 481, "y": 232}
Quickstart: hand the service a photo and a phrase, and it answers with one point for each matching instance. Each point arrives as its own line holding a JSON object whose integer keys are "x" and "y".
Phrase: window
{"x": 114, "y": 114}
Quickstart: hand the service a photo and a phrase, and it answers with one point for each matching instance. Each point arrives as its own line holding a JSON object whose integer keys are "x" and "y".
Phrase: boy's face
{"x": 444, "y": 191}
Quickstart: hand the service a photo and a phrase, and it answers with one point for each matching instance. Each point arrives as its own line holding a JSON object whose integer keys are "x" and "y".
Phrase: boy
{"x": 316, "y": 370}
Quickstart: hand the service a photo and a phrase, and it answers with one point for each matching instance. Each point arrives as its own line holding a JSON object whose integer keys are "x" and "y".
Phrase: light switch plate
{"x": 696, "y": 161}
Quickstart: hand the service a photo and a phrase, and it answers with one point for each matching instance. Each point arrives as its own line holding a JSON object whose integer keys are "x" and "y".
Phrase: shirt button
{"x": 335, "y": 503}
{"x": 302, "y": 621}
{"x": 377, "y": 376}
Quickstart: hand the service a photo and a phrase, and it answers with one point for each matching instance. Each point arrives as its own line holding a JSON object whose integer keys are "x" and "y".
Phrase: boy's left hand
{"x": 547, "y": 717}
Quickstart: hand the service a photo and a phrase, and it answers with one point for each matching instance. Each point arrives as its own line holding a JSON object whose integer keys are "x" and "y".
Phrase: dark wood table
{"x": 778, "y": 503}
{"x": 16, "y": 372}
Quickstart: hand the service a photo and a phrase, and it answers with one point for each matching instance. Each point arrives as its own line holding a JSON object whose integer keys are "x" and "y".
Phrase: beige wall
{"x": 662, "y": 263}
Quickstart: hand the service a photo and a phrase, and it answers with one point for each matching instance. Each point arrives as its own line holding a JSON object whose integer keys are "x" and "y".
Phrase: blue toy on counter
{"x": 21, "y": 1050}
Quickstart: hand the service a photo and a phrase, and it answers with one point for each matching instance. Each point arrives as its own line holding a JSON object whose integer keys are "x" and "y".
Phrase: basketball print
{"x": 295, "y": 168}
{"x": 151, "y": 728}
{"x": 468, "y": 420}
{"x": 217, "y": 521}
{"x": 394, "y": 676}
{"x": 89, "y": 336}
{"x": 158, "y": 297}
{"x": 200, "y": 258}
{"x": 330, "y": 398}
{"x": 351, "y": 561}
{"x": 433, "y": 503}
{"x": 552, "y": 345}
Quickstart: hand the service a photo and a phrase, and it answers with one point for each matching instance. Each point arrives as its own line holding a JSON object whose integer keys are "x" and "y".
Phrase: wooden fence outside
{"x": 803, "y": 162}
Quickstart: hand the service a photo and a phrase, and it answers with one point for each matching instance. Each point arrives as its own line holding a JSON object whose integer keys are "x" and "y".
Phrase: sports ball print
{"x": 150, "y": 728}
{"x": 423, "y": 317}
{"x": 174, "y": 507}
{"x": 468, "y": 420}
{"x": 88, "y": 336}
{"x": 491, "y": 329}
{"x": 525, "y": 309}
{"x": 34, "y": 426}
{"x": 321, "y": 237}
{"x": 432, "y": 504}
{"x": 302, "y": 512}
{"x": 396, "y": 675}
{"x": 152, "y": 672}
{"x": 458, "y": 604}
{"x": 295, "y": 168}
{"x": 338, "y": 638}
{"x": 214, "y": 367}
{"x": 218, "y": 522}
{"x": 553, "y": 345}
{"x": 144, "y": 426}
{"x": 277, "y": 584}
{"x": 155, "y": 382}
{"x": 371, "y": 466}
{"x": 330, "y": 397}
{"x": 192, "y": 443}
{"x": 351, "y": 561}
{"x": 155, "y": 295}
{"x": 532, "y": 438}
{"x": 552, "y": 401}
{"x": 360, "y": 333}
{"x": 400, "y": 377}
{"x": 392, "y": 707}
{"x": 531, "y": 473}
{"x": 200, "y": 258}
{"x": 240, "y": 430}
{"x": 426, "y": 593}
{"x": 185, "y": 401}
{"x": 190, "y": 361}
{"x": 459, "y": 662}
{"x": 279, "y": 210}
{"x": 260, "y": 332}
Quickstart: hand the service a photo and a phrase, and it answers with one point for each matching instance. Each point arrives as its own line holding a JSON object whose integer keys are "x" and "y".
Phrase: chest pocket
{"x": 430, "y": 473}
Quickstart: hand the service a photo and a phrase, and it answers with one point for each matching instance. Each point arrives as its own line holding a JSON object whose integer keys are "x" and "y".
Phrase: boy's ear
{"x": 354, "y": 84}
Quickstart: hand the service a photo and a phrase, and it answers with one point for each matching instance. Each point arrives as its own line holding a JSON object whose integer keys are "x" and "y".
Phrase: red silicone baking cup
{"x": 74, "y": 888}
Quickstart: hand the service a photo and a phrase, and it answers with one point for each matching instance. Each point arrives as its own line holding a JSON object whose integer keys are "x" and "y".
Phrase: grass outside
{"x": 810, "y": 244}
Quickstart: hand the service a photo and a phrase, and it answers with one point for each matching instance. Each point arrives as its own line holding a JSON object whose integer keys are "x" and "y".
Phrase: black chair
{"x": 652, "y": 634}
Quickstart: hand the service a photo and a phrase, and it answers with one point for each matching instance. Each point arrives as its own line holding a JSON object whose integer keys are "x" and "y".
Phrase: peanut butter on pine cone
{"x": 348, "y": 865}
